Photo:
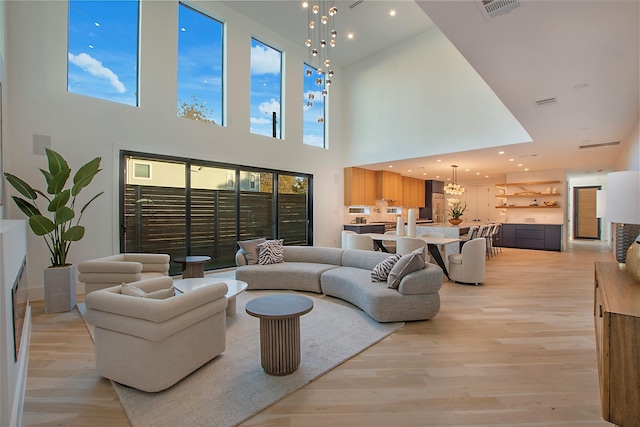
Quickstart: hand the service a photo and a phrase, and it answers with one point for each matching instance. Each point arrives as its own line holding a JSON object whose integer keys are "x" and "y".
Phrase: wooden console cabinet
{"x": 617, "y": 324}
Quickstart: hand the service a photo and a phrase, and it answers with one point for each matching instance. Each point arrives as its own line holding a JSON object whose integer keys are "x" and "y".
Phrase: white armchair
{"x": 151, "y": 344}
{"x": 122, "y": 268}
{"x": 469, "y": 265}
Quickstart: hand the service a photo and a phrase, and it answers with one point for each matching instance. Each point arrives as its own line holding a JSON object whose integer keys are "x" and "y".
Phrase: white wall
{"x": 420, "y": 98}
{"x": 630, "y": 157}
{"x": 82, "y": 127}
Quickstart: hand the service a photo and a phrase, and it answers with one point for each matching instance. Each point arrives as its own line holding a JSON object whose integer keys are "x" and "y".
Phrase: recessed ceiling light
{"x": 392, "y": 12}
{"x": 511, "y": 160}
{"x": 500, "y": 152}
{"x": 390, "y": 166}
{"x": 477, "y": 173}
{"x": 519, "y": 164}
{"x": 437, "y": 176}
{"x": 350, "y": 35}
{"x": 526, "y": 169}
{"x": 424, "y": 173}
{"x": 408, "y": 170}
{"x": 438, "y": 160}
{"x": 486, "y": 176}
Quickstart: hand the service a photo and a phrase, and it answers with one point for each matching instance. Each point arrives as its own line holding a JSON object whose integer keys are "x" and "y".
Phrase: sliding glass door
{"x": 189, "y": 207}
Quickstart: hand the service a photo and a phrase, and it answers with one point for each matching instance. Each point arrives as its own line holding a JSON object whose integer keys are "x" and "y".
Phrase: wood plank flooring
{"x": 517, "y": 350}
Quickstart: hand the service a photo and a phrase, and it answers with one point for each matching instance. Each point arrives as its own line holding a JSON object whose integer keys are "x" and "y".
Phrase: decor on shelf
{"x": 456, "y": 209}
{"x": 321, "y": 38}
{"x": 623, "y": 209}
{"x": 453, "y": 187}
{"x": 64, "y": 225}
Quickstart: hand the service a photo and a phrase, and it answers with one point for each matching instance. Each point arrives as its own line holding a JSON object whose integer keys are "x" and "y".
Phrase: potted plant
{"x": 59, "y": 225}
{"x": 456, "y": 209}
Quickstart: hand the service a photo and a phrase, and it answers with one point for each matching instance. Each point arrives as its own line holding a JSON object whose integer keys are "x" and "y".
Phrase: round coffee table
{"x": 192, "y": 266}
{"x": 279, "y": 330}
{"x": 234, "y": 288}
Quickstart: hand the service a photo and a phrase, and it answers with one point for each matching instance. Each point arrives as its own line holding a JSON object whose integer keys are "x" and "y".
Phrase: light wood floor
{"x": 518, "y": 350}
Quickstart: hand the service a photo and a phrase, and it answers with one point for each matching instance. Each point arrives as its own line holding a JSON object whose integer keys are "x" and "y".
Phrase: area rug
{"x": 233, "y": 387}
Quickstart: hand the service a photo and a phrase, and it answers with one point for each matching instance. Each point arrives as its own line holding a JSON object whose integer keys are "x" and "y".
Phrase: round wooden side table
{"x": 279, "y": 330}
{"x": 193, "y": 266}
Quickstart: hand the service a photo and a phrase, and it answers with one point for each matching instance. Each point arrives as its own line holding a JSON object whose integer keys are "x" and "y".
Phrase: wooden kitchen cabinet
{"x": 389, "y": 187}
{"x": 412, "y": 192}
{"x": 359, "y": 187}
{"x": 617, "y": 327}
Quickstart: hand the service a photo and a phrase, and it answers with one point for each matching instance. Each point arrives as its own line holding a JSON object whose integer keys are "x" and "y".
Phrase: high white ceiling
{"x": 586, "y": 54}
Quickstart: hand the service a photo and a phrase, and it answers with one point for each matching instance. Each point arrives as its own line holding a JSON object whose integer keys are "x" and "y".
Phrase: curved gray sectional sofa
{"x": 346, "y": 274}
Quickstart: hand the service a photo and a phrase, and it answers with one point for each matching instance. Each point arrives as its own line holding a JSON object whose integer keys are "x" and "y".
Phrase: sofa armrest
{"x": 112, "y": 301}
{"x": 240, "y": 258}
{"x": 426, "y": 281}
{"x": 118, "y": 267}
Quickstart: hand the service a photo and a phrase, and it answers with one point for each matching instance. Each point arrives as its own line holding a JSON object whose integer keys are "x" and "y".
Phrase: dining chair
{"x": 471, "y": 234}
{"x": 360, "y": 241}
{"x": 345, "y": 233}
{"x": 406, "y": 245}
{"x": 390, "y": 245}
{"x": 497, "y": 242}
{"x": 469, "y": 265}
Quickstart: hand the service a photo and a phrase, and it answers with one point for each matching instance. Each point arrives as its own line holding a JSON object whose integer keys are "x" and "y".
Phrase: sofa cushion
{"x": 406, "y": 264}
{"x": 375, "y": 298}
{"x": 270, "y": 252}
{"x": 134, "y": 291}
{"x": 297, "y": 276}
{"x": 381, "y": 271}
{"x": 250, "y": 249}
{"x": 362, "y": 259}
{"x": 317, "y": 254}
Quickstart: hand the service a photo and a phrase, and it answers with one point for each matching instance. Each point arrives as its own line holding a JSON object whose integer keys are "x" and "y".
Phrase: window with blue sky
{"x": 266, "y": 90}
{"x": 103, "y": 50}
{"x": 200, "y": 71}
{"x": 313, "y": 107}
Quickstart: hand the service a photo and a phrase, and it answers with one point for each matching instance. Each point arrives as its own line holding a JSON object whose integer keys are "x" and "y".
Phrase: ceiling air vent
{"x": 603, "y": 144}
{"x": 494, "y": 8}
{"x": 548, "y": 101}
{"x": 355, "y": 4}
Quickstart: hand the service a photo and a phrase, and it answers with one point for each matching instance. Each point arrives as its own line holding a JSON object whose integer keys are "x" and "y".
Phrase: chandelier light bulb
{"x": 318, "y": 81}
{"x": 334, "y": 34}
{"x": 309, "y": 104}
{"x": 305, "y": 4}
{"x": 330, "y": 73}
{"x": 316, "y": 9}
{"x": 320, "y": 120}
{"x": 324, "y": 20}
{"x": 323, "y": 43}
{"x": 328, "y": 82}
{"x": 320, "y": 72}
{"x": 312, "y": 25}
{"x": 333, "y": 11}
{"x": 314, "y": 52}
{"x": 332, "y": 43}
{"x": 311, "y": 95}
{"x": 308, "y": 43}
{"x": 309, "y": 72}
{"x": 324, "y": 92}
{"x": 327, "y": 62}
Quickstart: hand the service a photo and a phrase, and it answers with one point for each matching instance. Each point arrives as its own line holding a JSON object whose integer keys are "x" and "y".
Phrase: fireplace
{"x": 19, "y": 299}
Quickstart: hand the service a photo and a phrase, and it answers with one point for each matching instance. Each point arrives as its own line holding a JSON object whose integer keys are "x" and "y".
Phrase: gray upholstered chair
{"x": 469, "y": 265}
{"x": 151, "y": 344}
{"x": 114, "y": 270}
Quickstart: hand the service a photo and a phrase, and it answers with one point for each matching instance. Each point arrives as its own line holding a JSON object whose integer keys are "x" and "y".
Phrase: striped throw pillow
{"x": 270, "y": 252}
{"x": 381, "y": 271}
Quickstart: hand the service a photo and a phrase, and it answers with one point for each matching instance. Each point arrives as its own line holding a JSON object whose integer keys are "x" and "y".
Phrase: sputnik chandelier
{"x": 321, "y": 38}
{"x": 453, "y": 187}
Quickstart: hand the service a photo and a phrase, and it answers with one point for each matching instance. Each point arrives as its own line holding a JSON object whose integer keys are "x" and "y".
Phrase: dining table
{"x": 433, "y": 245}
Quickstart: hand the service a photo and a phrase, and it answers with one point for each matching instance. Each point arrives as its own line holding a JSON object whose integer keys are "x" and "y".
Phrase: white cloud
{"x": 313, "y": 140}
{"x": 264, "y": 60}
{"x": 95, "y": 68}
{"x": 259, "y": 121}
{"x": 269, "y": 107}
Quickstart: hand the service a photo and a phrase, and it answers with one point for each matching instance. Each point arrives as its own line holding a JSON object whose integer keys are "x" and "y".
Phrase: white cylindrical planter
{"x": 411, "y": 223}
{"x": 400, "y": 226}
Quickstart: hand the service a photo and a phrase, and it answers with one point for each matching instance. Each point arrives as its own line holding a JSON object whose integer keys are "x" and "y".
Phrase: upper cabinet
{"x": 389, "y": 187}
{"x": 539, "y": 194}
{"x": 359, "y": 187}
{"x": 413, "y": 195}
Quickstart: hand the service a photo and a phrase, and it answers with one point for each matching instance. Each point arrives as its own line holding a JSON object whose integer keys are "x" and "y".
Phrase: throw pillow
{"x": 381, "y": 271}
{"x": 250, "y": 249}
{"x": 270, "y": 252}
{"x": 133, "y": 291}
{"x": 406, "y": 264}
